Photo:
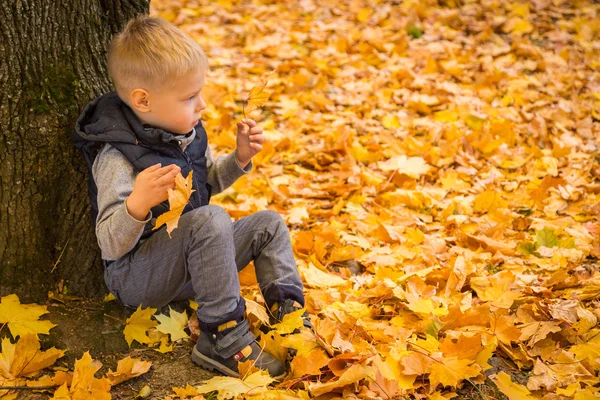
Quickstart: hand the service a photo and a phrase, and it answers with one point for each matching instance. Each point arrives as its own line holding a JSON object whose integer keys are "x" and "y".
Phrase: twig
{"x": 27, "y": 387}
{"x": 388, "y": 181}
{"x": 382, "y": 389}
{"x": 115, "y": 318}
{"x": 60, "y": 256}
{"x": 3, "y": 325}
{"x": 483, "y": 396}
{"x": 253, "y": 364}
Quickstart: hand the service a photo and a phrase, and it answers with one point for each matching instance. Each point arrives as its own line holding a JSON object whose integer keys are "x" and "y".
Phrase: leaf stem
{"x": 116, "y": 319}
{"x": 483, "y": 396}
{"x": 382, "y": 389}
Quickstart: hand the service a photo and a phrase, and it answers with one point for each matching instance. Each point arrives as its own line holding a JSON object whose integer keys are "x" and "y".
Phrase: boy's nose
{"x": 201, "y": 105}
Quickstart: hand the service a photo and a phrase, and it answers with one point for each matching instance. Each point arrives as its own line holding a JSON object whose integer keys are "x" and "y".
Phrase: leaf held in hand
{"x": 178, "y": 199}
{"x": 257, "y": 96}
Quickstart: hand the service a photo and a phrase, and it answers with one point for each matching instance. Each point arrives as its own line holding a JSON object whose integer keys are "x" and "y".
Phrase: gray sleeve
{"x": 224, "y": 171}
{"x": 116, "y": 230}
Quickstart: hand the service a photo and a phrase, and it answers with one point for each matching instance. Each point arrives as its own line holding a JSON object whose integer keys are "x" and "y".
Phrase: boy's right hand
{"x": 150, "y": 189}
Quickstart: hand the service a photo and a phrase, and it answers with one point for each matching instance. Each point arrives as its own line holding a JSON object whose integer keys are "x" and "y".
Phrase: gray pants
{"x": 202, "y": 260}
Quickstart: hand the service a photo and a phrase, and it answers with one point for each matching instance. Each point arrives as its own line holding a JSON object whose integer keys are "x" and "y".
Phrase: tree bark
{"x": 52, "y": 62}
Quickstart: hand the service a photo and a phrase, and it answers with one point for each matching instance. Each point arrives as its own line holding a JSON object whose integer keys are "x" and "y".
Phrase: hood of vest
{"x": 109, "y": 119}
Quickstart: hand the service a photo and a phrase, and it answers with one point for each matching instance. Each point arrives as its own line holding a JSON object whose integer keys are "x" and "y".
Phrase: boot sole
{"x": 210, "y": 364}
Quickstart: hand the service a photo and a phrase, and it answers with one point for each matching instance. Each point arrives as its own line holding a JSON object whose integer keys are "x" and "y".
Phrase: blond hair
{"x": 149, "y": 52}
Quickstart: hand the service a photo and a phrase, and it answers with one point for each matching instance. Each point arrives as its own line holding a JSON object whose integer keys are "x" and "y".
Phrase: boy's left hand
{"x": 250, "y": 139}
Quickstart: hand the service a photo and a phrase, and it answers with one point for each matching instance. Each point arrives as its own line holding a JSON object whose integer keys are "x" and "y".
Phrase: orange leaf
{"x": 310, "y": 364}
{"x": 178, "y": 199}
{"x": 451, "y": 371}
{"x": 257, "y": 96}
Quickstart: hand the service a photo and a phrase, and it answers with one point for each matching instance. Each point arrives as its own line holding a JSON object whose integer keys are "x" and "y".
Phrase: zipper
{"x": 189, "y": 161}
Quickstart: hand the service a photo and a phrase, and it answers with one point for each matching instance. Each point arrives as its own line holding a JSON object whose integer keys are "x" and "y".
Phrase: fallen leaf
{"x": 23, "y": 318}
{"x": 353, "y": 374}
{"x": 232, "y": 387}
{"x": 84, "y": 384}
{"x": 411, "y": 166}
{"x": 174, "y": 324}
{"x": 25, "y": 357}
{"x": 451, "y": 371}
{"x": 512, "y": 390}
{"x": 137, "y": 325}
{"x": 309, "y": 364}
{"x": 127, "y": 368}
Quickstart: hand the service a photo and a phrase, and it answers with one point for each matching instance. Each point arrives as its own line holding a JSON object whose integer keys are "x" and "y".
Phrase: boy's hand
{"x": 250, "y": 138}
{"x": 150, "y": 189}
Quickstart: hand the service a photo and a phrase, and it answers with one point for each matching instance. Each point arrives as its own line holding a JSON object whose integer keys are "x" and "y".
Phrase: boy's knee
{"x": 214, "y": 216}
{"x": 272, "y": 218}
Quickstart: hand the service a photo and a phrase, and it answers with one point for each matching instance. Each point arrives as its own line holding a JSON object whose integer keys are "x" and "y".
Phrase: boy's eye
{"x": 191, "y": 97}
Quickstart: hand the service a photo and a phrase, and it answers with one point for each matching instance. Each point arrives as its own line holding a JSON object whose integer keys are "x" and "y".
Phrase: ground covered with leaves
{"x": 438, "y": 165}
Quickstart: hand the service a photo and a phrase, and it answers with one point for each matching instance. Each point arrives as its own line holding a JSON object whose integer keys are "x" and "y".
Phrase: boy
{"x": 135, "y": 141}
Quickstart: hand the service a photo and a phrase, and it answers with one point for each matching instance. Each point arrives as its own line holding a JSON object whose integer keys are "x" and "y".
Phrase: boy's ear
{"x": 140, "y": 100}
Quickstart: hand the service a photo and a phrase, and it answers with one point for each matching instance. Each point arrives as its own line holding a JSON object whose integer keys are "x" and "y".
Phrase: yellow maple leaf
{"x": 440, "y": 396}
{"x": 127, "y": 368}
{"x": 247, "y": 368}
{"x": 271, "y": 343}
{"x": 589, "y": 351}
{"x": 174, "y": 324}
{"x": 310, "y": 364}
{"x": 353, "y": 374}
{"x": 464, "y": 347}
{"x": 314, "y": 277}
{"x": 84, "y": 384}
{"x": 109, "y": 297}
{"x": 411, "y": 166}
{"x": 290, "y": 322}
{"x": 488, "y": 201}
{"x": 233, "y": 387}
{"x": 304, "y": 342}
{"x": 138, "y": 324}
{"x": 390, "y": 121}
{"x": 416, "y": 363}
{"x": 497, "y": 288}
{"x": 62, "y": 393}
{"x": 23, "y": 318}
{"x": 24, "y": 357}
{"x": 159, "y": 341}
{"x": 257, "y": 96}
{"x": 512, "y": 390}
{"x": 178, "y": 199}
{"x": 451, "y": 371}
{"x": 257, "y": 310}
{"x": 187, "y": 391}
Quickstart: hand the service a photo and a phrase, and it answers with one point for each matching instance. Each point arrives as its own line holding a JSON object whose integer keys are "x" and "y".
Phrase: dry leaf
{"x": 174, "y": 324}
{"x": 127, "y": 368}
{"x": 178, "y": 199}
{"x": 257, "y": 96}
{"x": 137, "y": 325}
{"x": 231, "y": 387}
{"x": 24, "y": 357}
{"x": 23, "y": 318}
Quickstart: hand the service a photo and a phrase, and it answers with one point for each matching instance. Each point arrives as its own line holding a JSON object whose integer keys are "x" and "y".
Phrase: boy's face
{"x": 176, "y": 107}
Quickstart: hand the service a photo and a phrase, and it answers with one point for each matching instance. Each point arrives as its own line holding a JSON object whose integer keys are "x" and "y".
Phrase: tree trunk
{"x": 52, "y": 62}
